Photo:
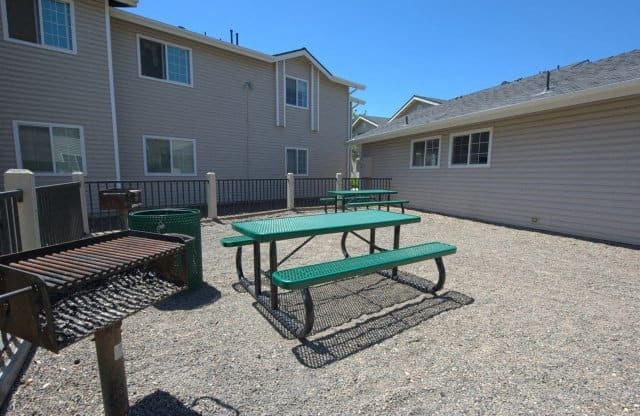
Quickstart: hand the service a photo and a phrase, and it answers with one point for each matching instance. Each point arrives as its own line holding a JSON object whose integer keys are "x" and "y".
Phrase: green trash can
{"x": 174, "y": 220}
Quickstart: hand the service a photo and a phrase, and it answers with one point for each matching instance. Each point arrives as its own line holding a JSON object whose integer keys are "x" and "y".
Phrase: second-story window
{"x": 163, "y": 61}
{"x": 43, "y": 22}
{"x": 297, "y": 92}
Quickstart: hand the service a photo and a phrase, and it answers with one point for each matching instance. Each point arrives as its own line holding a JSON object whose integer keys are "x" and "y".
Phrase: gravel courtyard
{"x": 527, "y": 323}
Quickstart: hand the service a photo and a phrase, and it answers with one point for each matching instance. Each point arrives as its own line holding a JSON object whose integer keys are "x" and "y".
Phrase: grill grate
{"x": 91, "y": 309}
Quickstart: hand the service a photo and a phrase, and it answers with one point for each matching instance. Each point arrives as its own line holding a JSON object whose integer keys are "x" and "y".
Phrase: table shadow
{"x": 161, "y": 403}
{"x": 190, "y": 299}
{"x": 325, "y": 350}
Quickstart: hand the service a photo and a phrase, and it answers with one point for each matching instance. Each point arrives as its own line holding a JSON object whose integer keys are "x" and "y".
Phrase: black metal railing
{"x": 9, "y": 225}
{"x": 155, "y": 194}
{"x": 59, "y": 213}
{"x": 236, "y": 196}
{"x": 308, "y": 191}
{"x": 366, "y": 183}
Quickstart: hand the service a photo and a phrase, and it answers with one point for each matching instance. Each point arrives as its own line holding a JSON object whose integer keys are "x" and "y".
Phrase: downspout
{"x": 112, "y": 93}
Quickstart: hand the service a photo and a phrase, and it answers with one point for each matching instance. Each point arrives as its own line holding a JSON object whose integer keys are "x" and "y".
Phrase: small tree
{"x": 355, "y": 148}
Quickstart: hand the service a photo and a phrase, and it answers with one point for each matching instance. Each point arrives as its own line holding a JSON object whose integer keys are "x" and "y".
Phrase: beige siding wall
{"x": 577, "y": 171}
{"x": 42, "y": 85}
{"x": 234, "y": 127}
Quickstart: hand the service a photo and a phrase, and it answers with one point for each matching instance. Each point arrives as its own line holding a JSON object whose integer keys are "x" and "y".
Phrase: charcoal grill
{"x": 57, "y": 295}
{"x": 122, "y": 200}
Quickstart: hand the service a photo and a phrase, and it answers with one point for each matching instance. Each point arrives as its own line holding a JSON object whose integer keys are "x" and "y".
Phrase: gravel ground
{"x": 528, "y": 323}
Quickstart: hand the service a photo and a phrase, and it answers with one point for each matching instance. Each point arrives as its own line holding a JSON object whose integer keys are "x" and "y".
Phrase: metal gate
{"x": 59, "y": 213}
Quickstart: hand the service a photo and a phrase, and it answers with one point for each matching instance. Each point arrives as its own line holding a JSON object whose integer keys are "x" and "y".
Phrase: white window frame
{"x": 296, "y": 149}
{"x": 285, "y": 92}
{"x": 170, "y": 140}
{"x": 166, "y": 61}
{"x": 426, "y": 139}
{"x": 40, "y": 44}
{"x": 16, "y": 141}
{"x": 469, "y": 133}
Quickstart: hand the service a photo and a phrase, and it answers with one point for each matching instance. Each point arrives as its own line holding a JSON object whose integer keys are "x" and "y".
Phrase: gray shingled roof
{"x": 564, "y": 80}
{"x": 375, "y": 119}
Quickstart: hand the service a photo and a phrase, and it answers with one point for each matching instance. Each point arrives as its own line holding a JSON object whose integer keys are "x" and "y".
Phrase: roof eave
{"x": 410, "y": 103}
{"x": 183, "y": 33}
{"x": 364, "y": 119}
{"x": 606, "y": 92}
{"x": 123, "y": 3}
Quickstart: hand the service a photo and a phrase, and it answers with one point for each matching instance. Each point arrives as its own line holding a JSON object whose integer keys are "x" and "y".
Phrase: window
{"x": 168, "y": 156}
{"x": 470, "y": 149}
{"x": 163, "y": 61}
{"x": 425, "y": 153}
{"x": 297, "y": 161}
{"x": 45, "y": 148}
{"x": 297, "y": 92}
{"x": 42, "y": 22}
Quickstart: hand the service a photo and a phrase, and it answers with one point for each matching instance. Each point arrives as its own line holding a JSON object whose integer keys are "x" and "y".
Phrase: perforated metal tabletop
{"x": 307, "y": 225}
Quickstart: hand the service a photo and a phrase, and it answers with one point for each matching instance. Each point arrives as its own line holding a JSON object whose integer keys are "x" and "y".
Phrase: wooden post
{"x": 212, "y": 196}
{"x": 290, "y": 191}
{"x": 111, "y": 367}
{"x": 79, "y": 177}
{"x": 27, "y": 209}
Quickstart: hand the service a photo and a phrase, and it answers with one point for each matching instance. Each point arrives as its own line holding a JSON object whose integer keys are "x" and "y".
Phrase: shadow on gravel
{"x": 340, "y": 302}
{"x": 161, "y": 403}
{"x": 190, "y": 299}
{"x": 326, "y": 350}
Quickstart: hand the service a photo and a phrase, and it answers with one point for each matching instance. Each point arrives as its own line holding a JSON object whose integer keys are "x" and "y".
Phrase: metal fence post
{"x": 27, "y": 209}
{"x": 79, "y": 177}
{"x": 290, "y": 191}
{"x": 212, "y": 196}
{"x": 339, "y": 181}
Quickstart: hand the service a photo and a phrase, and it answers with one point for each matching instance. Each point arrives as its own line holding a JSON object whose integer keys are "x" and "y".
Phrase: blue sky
{"x": 435, "y": 48}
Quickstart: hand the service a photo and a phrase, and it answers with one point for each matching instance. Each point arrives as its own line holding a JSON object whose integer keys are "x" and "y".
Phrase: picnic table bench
{"x": 350, "y": 195}
{"x": 380, "y": 204}
{"x": 333, "y": 200}
{"x": 384, "y": 262}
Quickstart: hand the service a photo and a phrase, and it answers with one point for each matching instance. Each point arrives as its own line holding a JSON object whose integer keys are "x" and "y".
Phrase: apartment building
{"x": 93, "y": 87}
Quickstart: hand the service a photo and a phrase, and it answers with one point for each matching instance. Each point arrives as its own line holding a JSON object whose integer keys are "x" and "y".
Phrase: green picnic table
{"x": 343, "y": 195}
{"x": 277, "y": 229}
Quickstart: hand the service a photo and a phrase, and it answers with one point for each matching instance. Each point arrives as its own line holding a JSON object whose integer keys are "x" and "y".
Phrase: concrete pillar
{"x": 290, "y": 191}
{"x": 79, "y": 177}
{"x": 212, "y": 196}
{"x": 339, "y": 181}
{"x": 27, "y": 209}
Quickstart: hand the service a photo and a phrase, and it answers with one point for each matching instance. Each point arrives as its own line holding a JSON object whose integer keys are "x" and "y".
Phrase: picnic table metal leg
{"x": 273, "y": 266}
{"x": 372, "y": 241}
{"x": 441, "y": 275}
{"x": 257, "y": 282}
{"x": 396, "y": 245}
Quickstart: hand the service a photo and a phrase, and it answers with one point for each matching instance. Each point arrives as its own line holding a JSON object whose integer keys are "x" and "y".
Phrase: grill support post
{"x": 111, "y": 367}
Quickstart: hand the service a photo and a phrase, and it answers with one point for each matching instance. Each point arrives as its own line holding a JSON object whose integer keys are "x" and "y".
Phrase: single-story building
{"x": 556, "y": 151}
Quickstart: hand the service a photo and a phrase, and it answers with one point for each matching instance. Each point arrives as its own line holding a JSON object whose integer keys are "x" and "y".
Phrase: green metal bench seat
{"x": 380, "y": 204}
{"x": 332, "y": 200}
{"x": 236, "y": 241}
{"x": 302, "y": 278}
{"x": 329, "y": 200}
{"x": 306, "y": 276}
